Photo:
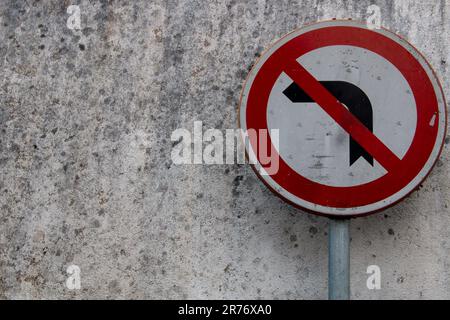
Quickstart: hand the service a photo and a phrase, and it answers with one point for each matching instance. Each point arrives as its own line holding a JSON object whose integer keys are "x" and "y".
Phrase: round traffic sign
{"x": 360, "y": 116}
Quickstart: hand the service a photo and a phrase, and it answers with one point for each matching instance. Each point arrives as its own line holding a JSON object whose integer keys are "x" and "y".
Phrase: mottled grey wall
{"x": 86, "y": 176}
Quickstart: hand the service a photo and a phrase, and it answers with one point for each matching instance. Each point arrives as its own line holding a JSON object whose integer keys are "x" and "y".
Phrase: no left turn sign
{"x": 360, "y": 113}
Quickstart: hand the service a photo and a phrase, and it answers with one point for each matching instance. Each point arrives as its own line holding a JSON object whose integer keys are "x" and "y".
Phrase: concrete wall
{"x": 86, "y": 176}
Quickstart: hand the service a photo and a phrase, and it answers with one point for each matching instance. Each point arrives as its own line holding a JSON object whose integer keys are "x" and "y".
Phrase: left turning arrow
{"x": 353, "y": 98}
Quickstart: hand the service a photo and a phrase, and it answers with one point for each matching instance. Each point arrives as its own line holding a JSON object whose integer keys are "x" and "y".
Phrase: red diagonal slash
{"x": 342, "y": 116}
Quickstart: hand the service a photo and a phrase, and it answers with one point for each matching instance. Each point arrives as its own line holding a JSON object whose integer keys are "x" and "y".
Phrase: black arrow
{"x": 353, "y": 98}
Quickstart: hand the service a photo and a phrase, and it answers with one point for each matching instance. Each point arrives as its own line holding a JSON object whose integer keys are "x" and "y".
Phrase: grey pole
{"x": 339, "y": 259}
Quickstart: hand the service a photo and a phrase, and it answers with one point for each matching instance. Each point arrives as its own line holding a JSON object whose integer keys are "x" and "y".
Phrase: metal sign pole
{"x": 339, "y": 259}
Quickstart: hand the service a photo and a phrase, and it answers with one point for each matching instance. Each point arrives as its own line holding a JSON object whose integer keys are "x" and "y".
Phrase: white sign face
{"x": 361, "y": 117}
{"x": 314, "y": 145}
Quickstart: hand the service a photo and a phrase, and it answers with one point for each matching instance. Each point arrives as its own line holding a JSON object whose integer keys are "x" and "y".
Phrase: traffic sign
{"x": 360, "y": 113}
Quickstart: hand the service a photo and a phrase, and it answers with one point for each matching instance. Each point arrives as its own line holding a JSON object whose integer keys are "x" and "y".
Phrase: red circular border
{"x": 423, "y": 91}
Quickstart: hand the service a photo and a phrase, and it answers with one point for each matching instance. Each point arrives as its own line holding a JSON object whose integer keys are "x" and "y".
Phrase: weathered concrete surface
{"x": 86, "y": 176}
